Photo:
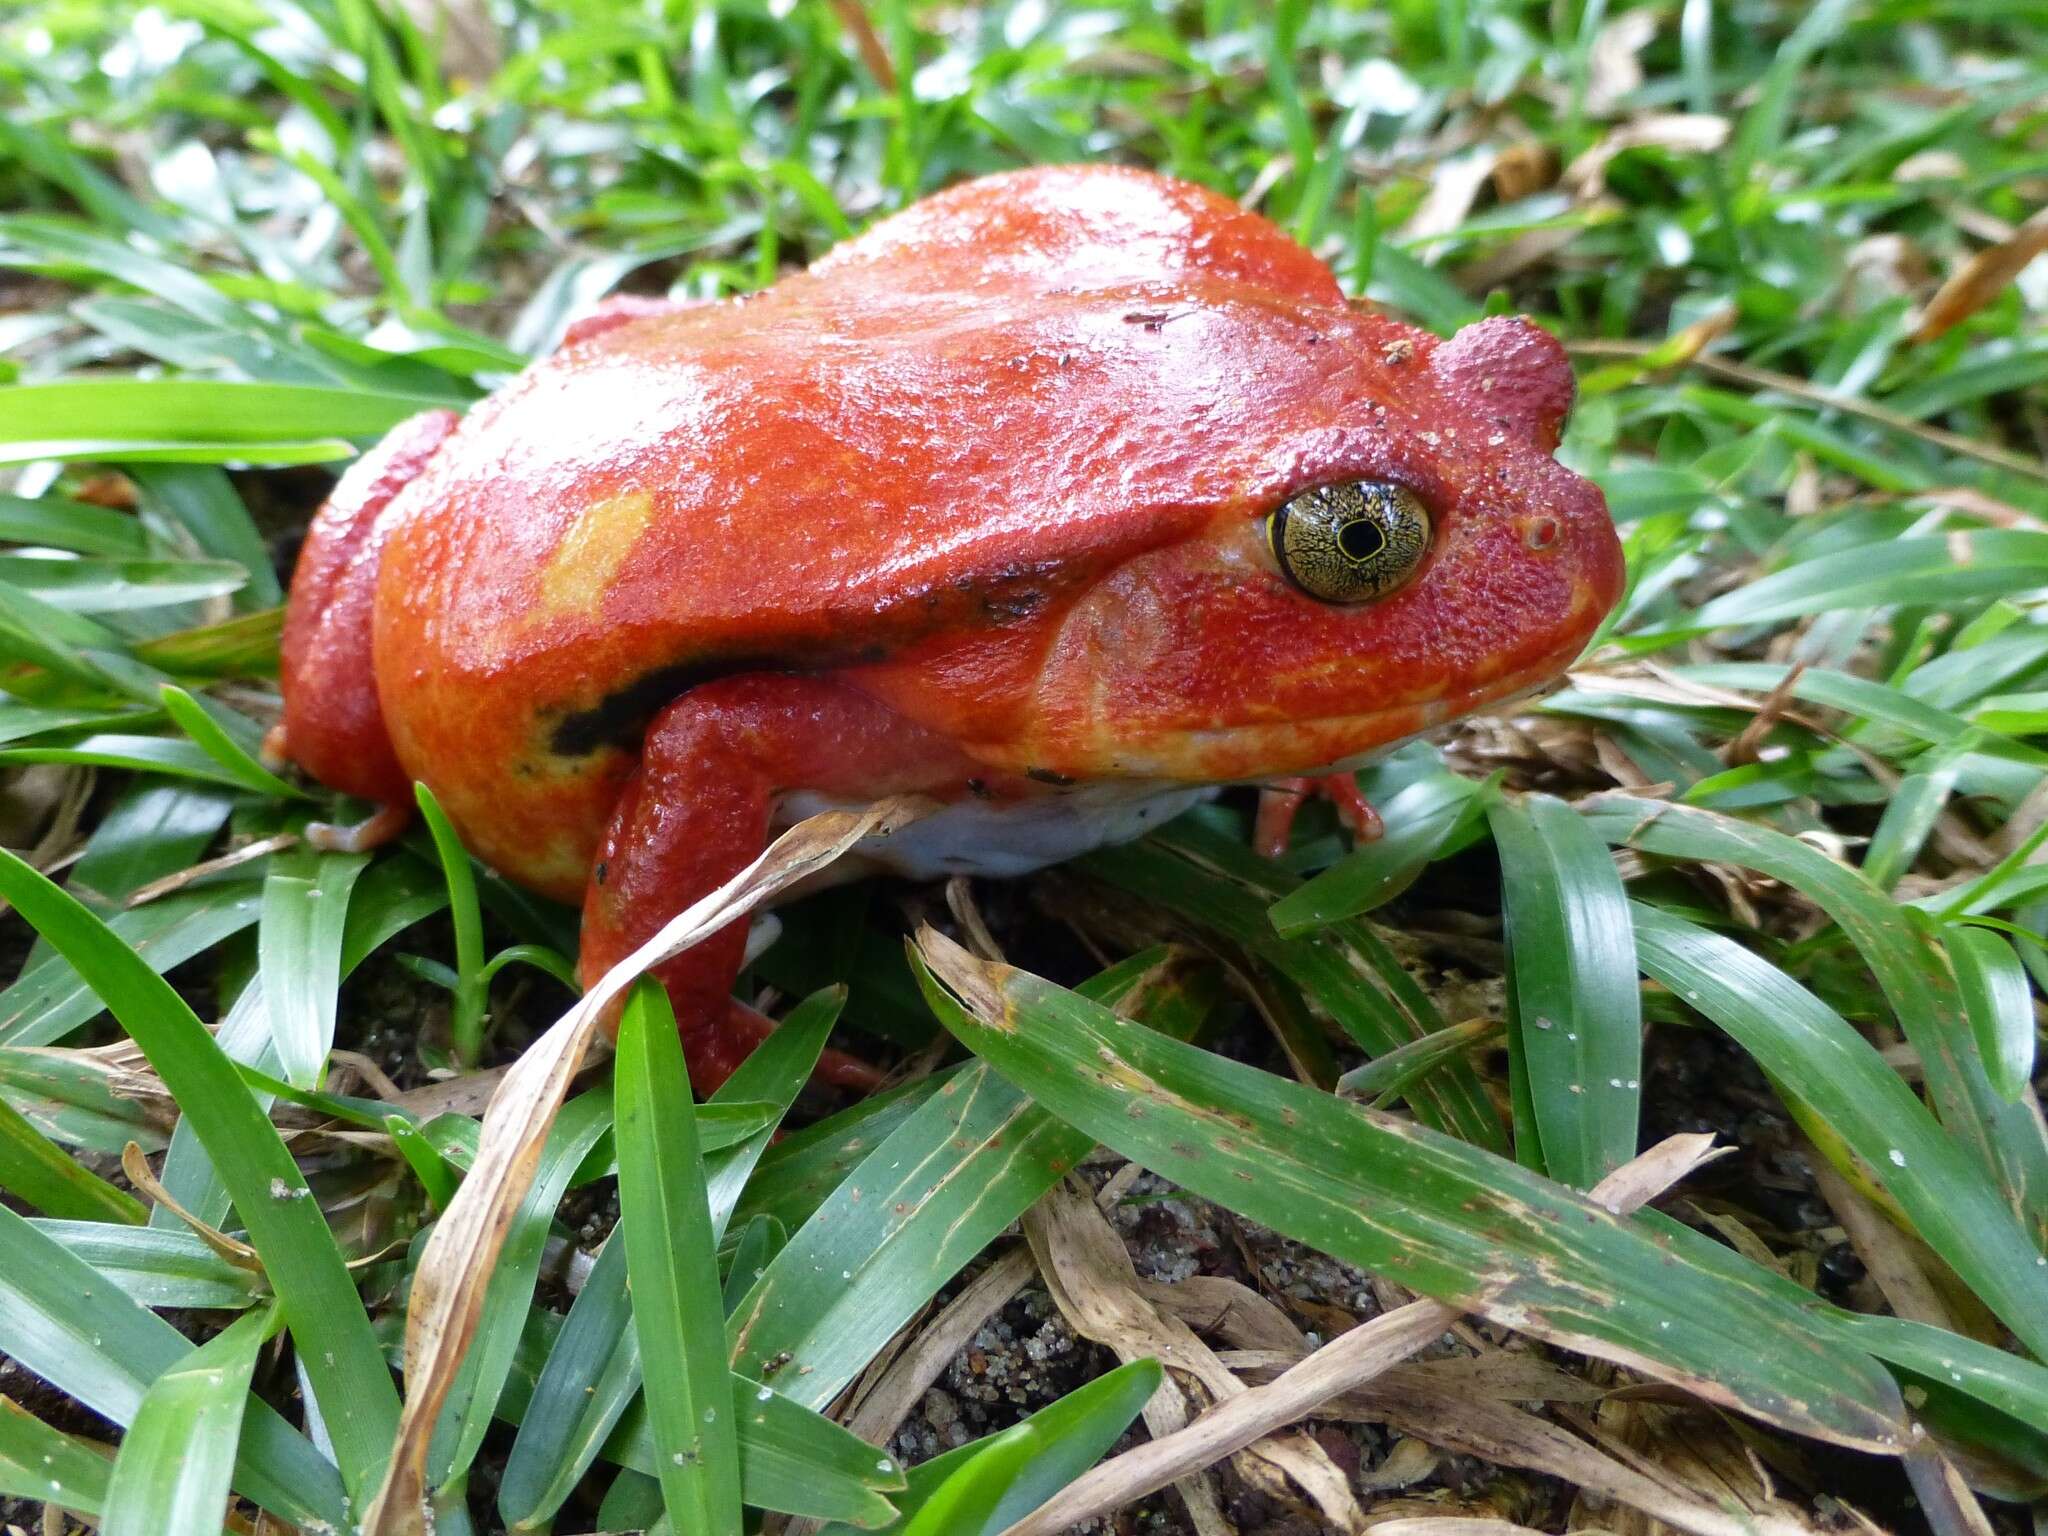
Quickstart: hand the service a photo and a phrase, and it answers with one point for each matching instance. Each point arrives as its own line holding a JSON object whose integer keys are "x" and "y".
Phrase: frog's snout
{"x": 1513, "y": 373}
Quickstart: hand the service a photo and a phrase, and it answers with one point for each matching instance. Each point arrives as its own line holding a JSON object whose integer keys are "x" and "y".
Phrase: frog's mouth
{"x": 1250, "y": 753}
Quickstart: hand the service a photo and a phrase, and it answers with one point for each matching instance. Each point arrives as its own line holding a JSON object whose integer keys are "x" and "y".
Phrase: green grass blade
{"x": 171, "y": 1476}
{"x": 98, "y": 584}
{"x": 72, "y": 1098}
{"x": 2000, "y": 1003}
{"x": 593, "y": 1372}
{"x": 799, "y": 1173}
{"x": 53, "y": 522}
{"x": 791, "y": 1458}
{"x": 1344, "y": 969}
{"x": 1066, "y": 1438}
{"x": 148, "y": 450}
{"x": 466, "y": 1020}
{"x": 202, "y": 501}
{"x": 158, "y": 1266}
{"x": 1577, "y": 1019}
{"x": 50, "y": 998}
{"x": 1382, "y": 1080}
{"x": 966, "y": 1501}
{"x": 328, "y": 1324}
{"x": 2006, "y": 1382}
{"x": 2006, "y": 1138}
{"x": 43, "y": 1465}
{"x": 1442, "y": 1217}
{"x": 38, "y": 1171}
{"x": 591, "y": 1375}
{"x": 206, "y": 410}
{"x": 151, "y": 754}
{"x": 671, "y": 1257}
{"x": 1763, "y": 125}
{"x": 298, "y": 951}
{"x": 234, "y": 757}
{"x": 775, "y": 1073}
{"x": 930, "y": 1196}
{"x": 1954, "y": 568}
{"x": 1811, "y": 1050}
{"x": 62, "y": 1320}
{"x": 1418, "y": 821}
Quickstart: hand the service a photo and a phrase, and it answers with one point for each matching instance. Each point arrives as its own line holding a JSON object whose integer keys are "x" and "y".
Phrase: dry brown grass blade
{"x": 178, "y": 879}
{"x": 454, "y": 1270}
{"x": 1229, "y": 1309}
{"x": 1092, "y": 1281}
{"x": 1449, "y": 1525}
{"x": 136, "y": 1167}
{"x": 1982, "y": 278}
{"x": 1692, "y": 1447}
{"x": 1508, "y": 1436}
{"x": 853, "y": 16}
{"x": 1950, "y": 1505}
{"x": 1338, "y": 1367}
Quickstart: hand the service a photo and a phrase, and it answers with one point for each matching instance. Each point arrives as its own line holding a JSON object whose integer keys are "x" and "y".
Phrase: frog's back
{"x": 981, "y": 405}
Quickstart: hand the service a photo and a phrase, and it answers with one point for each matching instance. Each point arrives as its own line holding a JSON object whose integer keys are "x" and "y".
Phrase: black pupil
{"x": 1361, "y": 539}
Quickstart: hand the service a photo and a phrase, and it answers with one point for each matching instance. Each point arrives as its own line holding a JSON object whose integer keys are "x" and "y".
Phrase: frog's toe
{"x": 373, "y": 831}
{"x": 1281, "y": 801}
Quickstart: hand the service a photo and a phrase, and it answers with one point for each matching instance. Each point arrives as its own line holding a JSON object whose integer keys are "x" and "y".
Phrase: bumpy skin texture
{"x": 994, "y": 473}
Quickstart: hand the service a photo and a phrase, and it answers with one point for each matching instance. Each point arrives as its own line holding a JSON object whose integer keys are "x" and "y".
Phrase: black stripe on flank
{"x": 620, "y": 718}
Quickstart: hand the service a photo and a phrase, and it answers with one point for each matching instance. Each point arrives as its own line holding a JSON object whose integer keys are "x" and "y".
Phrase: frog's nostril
{"x": 1540, "y": 532}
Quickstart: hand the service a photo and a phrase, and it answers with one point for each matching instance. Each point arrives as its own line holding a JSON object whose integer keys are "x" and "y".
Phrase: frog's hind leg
{"x": 698, "y": 810}
{"x": 333, "y": 723}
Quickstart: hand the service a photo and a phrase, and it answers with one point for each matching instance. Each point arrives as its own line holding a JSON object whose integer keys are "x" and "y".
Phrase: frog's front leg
{"x": 333, "y": 724}
{"x": 699, "y": 810}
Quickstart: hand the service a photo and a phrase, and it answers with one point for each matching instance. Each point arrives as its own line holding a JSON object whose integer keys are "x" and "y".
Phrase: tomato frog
{"x": 1059, "y": 496}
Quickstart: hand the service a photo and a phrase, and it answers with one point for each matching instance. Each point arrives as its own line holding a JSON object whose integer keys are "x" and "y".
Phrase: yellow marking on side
{"x": 587, "y": 560}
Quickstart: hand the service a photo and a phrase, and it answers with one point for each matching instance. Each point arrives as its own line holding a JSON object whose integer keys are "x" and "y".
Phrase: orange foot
{"x": 1281, "y": 800}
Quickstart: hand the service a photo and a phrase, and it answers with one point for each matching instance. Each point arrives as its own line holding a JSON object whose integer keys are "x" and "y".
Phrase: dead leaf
{"x": 455, "y": 1268}
{"x": 1696, "y": 133}
{"x": 1407, "y": 1464}
{"x": 1982, "y": 278}
{"x": 1451, "y": 195}
{"x": 466, "y": 37}
{"x": 1523, "y": 169}
{"x": 1613, "y": 69}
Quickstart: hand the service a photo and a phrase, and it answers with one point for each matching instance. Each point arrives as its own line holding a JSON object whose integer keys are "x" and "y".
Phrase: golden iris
{"x": 1350, "y": 543}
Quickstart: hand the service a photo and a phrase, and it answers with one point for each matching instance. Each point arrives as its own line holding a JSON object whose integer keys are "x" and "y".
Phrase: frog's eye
{"x": 1350, "y": 543}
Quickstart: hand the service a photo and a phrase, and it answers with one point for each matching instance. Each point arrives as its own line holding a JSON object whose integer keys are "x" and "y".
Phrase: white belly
{"x": 1000, "y": 839}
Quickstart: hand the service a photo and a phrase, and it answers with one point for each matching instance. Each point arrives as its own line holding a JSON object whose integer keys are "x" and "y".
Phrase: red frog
{"x": 1058, "y": 497}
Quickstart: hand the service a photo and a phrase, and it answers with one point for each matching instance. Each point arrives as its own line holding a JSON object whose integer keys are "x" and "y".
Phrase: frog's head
{"x": 1403, "y": 550}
